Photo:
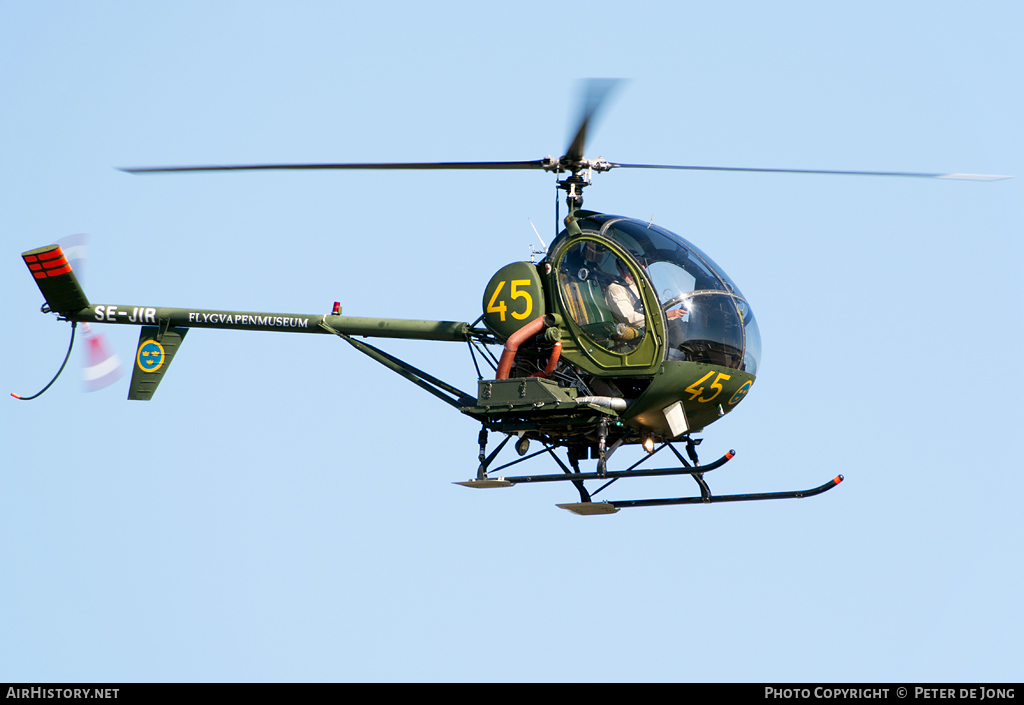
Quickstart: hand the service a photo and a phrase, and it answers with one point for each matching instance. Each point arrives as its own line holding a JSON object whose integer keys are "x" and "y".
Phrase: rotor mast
{"x": 581, "y": 171}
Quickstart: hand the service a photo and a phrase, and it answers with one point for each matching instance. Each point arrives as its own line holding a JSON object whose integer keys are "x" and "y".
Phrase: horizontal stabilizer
{"x": 56, "y": 281}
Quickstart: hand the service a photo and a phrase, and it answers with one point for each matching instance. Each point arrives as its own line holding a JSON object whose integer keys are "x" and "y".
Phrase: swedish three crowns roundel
{"x": 150, "y": 357}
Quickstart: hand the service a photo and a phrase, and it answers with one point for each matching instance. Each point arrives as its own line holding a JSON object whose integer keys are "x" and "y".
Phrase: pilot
{"x": 623, "y": 298}
{"x": 624, "y": 302}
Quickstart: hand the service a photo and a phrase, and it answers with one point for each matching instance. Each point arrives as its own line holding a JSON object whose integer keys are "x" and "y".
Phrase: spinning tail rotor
{"x": 101, "y": 367}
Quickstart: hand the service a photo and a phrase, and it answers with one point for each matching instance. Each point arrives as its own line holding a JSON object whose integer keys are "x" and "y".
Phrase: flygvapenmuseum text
{"x": 879, "y": 693}
{"x": 249, "y": 320}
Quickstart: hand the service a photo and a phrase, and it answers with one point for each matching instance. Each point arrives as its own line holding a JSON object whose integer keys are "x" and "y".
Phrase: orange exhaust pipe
{"x": 508, "y": 356}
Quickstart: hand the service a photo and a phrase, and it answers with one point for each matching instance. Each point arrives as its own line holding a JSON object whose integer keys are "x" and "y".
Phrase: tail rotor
{"x": 101, "y": 366}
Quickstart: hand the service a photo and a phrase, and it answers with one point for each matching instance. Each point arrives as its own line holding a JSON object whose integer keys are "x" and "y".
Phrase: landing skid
{"x": 588, "y": 507}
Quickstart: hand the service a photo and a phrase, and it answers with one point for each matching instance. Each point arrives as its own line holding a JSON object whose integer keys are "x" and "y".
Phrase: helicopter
{"x": 624, "y": 333}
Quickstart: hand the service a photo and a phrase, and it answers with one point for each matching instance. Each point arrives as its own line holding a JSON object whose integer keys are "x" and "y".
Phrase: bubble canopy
{"x": 707, "y": 318}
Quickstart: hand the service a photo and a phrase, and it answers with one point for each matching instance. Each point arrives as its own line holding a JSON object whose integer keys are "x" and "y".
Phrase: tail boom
{"x": 279, "y": 322}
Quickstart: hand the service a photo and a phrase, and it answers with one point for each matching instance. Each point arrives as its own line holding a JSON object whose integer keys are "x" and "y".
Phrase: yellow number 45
{"x": 500, "y": 307}
{"x": 695, "y": 390}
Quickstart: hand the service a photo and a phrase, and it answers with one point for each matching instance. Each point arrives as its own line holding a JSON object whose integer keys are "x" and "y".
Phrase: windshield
{"x": 708, "y": 319}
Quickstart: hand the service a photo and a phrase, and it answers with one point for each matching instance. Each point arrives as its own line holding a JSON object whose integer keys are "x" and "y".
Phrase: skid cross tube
{"x": 606, "y": 475}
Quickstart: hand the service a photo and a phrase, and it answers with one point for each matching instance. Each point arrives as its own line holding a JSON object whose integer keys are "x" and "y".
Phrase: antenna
{"x": 543, "y": 244}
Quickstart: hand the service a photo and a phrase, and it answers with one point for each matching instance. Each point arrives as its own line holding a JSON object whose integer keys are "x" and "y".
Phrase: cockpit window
{"x": 650, "y": 244}
{"x": 707, "y": 318}
{"x": 602, "y": 297}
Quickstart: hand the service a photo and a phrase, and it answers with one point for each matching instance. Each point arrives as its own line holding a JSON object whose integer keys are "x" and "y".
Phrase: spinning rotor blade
{"x": 536, "y": 164}
{"x": 967, "y": 177}
{"x": 101, "y": 366}
{"x": 76, "y": 250}
{"x": 548, "y": 164}
{"x": 595, "y": 95}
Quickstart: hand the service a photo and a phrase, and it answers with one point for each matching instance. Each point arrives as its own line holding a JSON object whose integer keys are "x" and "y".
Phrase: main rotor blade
{"x": 595, "y": 94}
{"x": 967, "y": 177}
{"x": 536, "y": 164}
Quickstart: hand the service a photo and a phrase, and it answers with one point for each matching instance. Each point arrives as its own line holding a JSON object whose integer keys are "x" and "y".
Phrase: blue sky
{"x": 283, "y": 509}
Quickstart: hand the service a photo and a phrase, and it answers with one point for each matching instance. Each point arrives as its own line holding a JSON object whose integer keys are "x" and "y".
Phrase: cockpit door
{"x": 607, "y": 305}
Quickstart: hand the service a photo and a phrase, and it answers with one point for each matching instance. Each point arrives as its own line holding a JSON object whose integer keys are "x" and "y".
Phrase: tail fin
{"x": 156, "y": 350}
{"x": 55, "y": 279}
